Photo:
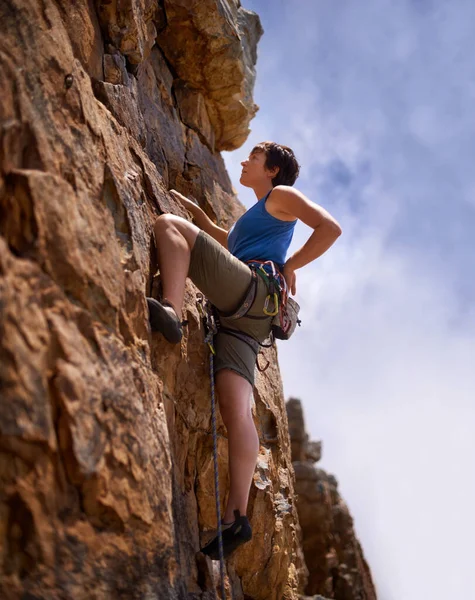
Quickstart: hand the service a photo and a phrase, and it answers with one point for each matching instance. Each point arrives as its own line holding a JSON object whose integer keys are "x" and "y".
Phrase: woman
{"x": 217, "y": 262}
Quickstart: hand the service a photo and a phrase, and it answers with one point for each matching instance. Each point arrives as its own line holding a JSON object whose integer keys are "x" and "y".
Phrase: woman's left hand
{"x": 290, "y": 278}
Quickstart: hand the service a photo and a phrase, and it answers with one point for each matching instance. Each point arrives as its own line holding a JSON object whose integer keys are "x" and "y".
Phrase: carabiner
{"x": 265, "y": 273}
{"x": 276, "y": 305}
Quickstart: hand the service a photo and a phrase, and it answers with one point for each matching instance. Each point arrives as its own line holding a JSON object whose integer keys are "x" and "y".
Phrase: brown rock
{"x": 130, "y": 26}
{"x": 298, "y": 435}
{"x": 84, "y": 33}
{"x": 211, "y": 45}
{"x": 106, "y": 476}
{"x": 115, "y": 69}
{"x": 192, "y": 108}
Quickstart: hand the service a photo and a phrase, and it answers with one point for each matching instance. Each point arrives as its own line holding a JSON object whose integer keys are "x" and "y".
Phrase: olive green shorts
{"x": 224, "y": 280}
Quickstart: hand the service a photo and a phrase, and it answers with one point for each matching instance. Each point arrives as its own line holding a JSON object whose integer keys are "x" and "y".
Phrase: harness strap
{"x": 246, "y": 302}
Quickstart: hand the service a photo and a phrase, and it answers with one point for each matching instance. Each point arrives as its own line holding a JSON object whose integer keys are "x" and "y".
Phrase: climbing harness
{"x": 274, "y": 283}
{"x": 210, "y": 329}
{"x": 286, "y": 311}
{"x": 277, "y": 304}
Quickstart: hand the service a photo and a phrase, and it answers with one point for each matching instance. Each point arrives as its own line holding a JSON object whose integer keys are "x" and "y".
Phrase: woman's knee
{"x": 235, "y": 408}
{"x": 167, "y": 222}
{"x": 235, "y": 417}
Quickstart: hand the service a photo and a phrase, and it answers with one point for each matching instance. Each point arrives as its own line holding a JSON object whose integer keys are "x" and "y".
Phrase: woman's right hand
{"x": 184, "y": 201}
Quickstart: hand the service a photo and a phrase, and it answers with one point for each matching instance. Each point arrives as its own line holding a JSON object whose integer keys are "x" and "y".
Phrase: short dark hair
{"x": 282, "y": 157}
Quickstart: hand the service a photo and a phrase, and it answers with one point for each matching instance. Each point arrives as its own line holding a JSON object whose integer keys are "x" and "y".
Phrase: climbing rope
{"x": 216, "y": 474}
{"x": 210, "y": 328}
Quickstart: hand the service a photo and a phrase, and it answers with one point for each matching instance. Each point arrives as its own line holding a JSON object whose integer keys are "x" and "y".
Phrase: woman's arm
{"x": 201, "y": 219}
{"x": 289, "y": 202}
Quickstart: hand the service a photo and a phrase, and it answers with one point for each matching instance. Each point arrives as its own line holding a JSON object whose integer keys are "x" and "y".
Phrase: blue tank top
{"x": 257, "y": 235}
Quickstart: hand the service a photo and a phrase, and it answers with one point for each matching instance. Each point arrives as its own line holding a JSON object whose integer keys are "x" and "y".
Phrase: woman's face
{"x": 254, "y": 172}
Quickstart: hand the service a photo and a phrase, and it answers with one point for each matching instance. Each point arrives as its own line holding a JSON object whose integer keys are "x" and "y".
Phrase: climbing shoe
{"x": 163, "y": 318}
{"x": 238, "y": 533}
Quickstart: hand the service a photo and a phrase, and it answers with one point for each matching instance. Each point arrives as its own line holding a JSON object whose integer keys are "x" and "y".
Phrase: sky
{"x": 377, "y": 99}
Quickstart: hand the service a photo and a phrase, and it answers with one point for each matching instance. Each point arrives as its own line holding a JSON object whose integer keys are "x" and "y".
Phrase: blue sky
{"x": 378, "y": 101}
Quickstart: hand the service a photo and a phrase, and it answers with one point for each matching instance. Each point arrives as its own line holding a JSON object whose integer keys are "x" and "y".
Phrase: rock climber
{"x": 219, "y": 264}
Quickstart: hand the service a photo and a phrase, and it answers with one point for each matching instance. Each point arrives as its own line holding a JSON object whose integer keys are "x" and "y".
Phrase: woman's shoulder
{"x": 280, "y": 201}
{"x": 285, "y": 190}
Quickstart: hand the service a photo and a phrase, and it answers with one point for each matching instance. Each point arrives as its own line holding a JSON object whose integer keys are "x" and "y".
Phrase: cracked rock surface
{"x": 106, "y": 474}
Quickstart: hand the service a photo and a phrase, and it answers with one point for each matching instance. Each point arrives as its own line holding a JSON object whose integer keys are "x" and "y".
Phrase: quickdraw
{"x": 208, "y": 319}
{"x": 275, "y": 299}
{"x": 276, "y": 285}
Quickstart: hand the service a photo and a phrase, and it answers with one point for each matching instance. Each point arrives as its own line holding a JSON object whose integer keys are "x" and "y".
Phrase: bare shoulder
{"x": 288, "y": 191}
{"x": 285, "y": 199}
{"x": 280, "y": 201}
{"x": 293, "y": 204}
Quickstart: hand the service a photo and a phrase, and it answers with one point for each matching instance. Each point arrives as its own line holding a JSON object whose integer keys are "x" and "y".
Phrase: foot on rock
{"x": 234, "y": 536}
{"x": 163, "y": 318}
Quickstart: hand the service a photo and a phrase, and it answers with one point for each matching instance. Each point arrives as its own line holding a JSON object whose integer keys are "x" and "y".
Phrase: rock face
{"x": 212, "y": 46}
{"x": 106, "y": 475}
{"x": 333, "y": 555}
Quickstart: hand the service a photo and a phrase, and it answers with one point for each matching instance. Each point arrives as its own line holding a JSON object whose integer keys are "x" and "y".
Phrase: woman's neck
{"x": 262, "y": 190}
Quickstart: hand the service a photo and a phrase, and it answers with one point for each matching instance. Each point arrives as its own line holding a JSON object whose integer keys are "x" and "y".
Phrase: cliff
{"x": 105, "y": 437}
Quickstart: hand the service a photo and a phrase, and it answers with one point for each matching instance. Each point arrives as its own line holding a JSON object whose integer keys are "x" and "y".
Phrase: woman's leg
{"x": 174, "y": 238}
{"x": 234, "y": 395}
